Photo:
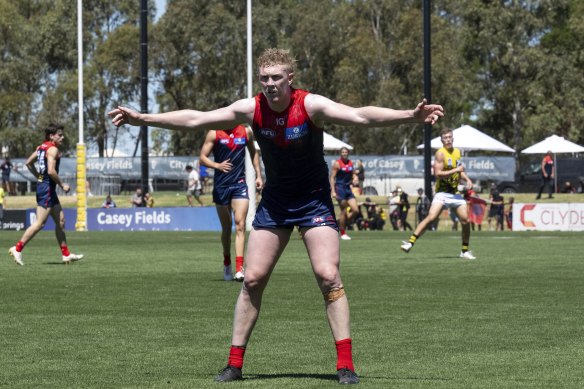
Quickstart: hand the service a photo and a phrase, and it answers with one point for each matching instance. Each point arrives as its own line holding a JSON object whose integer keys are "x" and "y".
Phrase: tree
{"x": 21, "y": 73}
{"x": 504, "y": 40}
{"x": 199, "y": 58}
{"x": 39, "y": 72}
{"x": 560, "y": 105}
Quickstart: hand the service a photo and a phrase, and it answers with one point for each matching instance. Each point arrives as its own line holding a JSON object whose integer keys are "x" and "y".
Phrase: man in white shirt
{"x": 194, "y": 186}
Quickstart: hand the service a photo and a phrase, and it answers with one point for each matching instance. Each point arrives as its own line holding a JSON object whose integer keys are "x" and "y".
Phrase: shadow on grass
{"x": 61, "y": 263}
{"x": 251, "y": 377}
{"x": 327, "y": 377}
{"x": 331, "y": 377}
{"x": 433, "y": 257}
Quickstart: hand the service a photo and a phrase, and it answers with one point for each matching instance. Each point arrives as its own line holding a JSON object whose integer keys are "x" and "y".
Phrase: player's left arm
{"x": 255, "y": 158}
{"x": 52, "y": 154}
{"x": 321, "y": 109}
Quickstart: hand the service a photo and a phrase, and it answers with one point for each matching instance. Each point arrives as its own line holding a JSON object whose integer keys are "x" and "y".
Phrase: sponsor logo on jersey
{"x": 239, "y": 141}
{"x": 297, "y": 132}
{"x": 268, "y": 132}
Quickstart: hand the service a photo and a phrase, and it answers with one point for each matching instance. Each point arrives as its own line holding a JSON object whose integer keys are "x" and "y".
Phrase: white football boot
{"x": 467, "y": 255}
{"x": 16, "y": 255}
{"x": 72, "y": 258}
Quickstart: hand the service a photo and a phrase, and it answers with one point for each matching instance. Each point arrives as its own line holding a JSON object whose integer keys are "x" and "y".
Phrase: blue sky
{"x": 126, "y": 142}
{"x": 160, "y": 8}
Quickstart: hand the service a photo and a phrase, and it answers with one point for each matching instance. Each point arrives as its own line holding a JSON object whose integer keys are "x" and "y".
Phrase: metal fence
{"x": 97, "y": 184}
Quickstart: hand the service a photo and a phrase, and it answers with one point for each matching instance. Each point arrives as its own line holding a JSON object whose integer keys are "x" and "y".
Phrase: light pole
{"x": 144, "y": 91}
{"x": 428, "y": 97}
{"x": 81, "y": 224}
{"x": 249, "y": 170}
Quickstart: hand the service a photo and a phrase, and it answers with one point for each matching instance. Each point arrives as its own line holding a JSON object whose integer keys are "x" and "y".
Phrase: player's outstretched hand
{"x": 122, "y": 115}
{"x": 428, "y": 113}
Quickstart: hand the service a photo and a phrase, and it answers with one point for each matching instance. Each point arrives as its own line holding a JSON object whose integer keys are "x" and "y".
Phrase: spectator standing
{"x": 509, "y": 213}
{"x": 6, "y": 168}
{"x": 149, "y": 200}
{"x": 548, "y": 171}
{"x": 394, "y": 210}
{"x": 137, "y": 199}
{"x": 422, "y": 206}
{"x": 108, "y": 202}
{"x": 2, "y": 202}
{"x": 404, "y": 209}
{"x": 496, "y": 209}
{"x": 194, "y": 187}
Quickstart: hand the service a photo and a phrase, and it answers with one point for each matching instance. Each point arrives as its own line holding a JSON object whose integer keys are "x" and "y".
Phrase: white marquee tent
{"x": 467, "y": 138}
{"x": 555, "y": 144}
{"x": 332, "y": 143}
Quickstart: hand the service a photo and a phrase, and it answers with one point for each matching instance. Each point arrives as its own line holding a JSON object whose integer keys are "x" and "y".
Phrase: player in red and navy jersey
{"x": 230, "y": 193}
{"x": 48, "y": 157}
{"x": 341, "y": 179}
{"x": 288, "y": 125}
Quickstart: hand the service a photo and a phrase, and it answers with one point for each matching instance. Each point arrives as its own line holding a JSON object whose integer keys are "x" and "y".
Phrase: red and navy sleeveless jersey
{"x": 43, "y": 162}
{"x": 230, "y": 144}
{"x": 345, "y": 172}
{"x": 548, "y": 165}
{"x": 291, "y": 146}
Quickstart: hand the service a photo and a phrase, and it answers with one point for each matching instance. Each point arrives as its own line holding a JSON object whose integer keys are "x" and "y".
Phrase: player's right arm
{"x": 206, "y": 150}
{"x": 255, "y": 158}
{"x": 439, "y": 165}
{"x": 467, "y": 179}
{"x": 543, "y": 168}
{"x": 241, "y": 111}
{"x": 30, "y": 165}
{"x": 334, "y": 171}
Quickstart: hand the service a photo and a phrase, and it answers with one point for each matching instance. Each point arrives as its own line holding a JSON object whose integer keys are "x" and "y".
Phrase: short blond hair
{"x": 445, "y": 131}
{"x": 271, "y": 57}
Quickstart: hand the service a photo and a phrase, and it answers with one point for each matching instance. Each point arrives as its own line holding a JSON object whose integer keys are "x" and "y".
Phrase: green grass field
{"x": 150, "y": 310}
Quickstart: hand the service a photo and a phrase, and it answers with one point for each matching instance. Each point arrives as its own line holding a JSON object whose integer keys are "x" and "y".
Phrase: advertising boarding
{"x": 548, "y": 217}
